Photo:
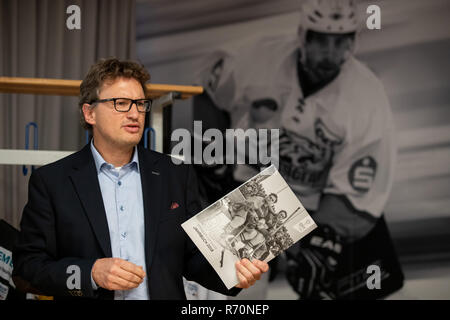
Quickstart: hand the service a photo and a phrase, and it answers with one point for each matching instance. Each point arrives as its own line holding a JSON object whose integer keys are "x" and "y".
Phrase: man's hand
{"x": 117, "y": 274}
{"x": 249, "y": 272}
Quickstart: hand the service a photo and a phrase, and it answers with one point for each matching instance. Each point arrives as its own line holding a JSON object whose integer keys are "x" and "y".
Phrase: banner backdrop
{"x": 375, "y": 134}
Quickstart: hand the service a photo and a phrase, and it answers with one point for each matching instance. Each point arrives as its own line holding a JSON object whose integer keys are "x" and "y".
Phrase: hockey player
{"x": 337, "y": 149}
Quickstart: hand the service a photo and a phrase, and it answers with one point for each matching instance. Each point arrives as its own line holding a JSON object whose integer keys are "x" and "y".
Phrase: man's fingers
{"x": 118, "y": 283}
{"x": 131, "y": 267}
{"x": 252, "y": 267}
{"x": 263, "y": 266}
{"x": 129, "y": 276}
{"x": 249, "y": 272}
{"x": 243, "y": 283}
{"x": 117, "y": 274}
{"x": 243, "y": 268}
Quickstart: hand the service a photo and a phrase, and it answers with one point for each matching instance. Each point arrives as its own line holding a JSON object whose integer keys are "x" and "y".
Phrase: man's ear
{"x": 89, "y": 114}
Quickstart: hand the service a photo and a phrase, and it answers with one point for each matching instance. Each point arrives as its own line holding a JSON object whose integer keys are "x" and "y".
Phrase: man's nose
{"x": 133, "y": 112}
{"x": 329, "y": 49}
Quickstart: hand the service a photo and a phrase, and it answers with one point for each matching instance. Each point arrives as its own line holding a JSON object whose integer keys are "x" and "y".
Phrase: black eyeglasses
{"x": 125, "y": 104}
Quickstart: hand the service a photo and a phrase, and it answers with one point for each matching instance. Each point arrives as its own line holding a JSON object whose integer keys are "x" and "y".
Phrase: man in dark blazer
{"x": 105, "y": 222}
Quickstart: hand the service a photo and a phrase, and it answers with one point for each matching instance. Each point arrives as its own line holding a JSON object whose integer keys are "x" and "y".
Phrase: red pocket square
{"x": 174, "y": 205}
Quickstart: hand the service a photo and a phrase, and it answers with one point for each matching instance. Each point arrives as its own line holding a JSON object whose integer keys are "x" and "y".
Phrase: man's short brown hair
{"x": 108, "y": 70}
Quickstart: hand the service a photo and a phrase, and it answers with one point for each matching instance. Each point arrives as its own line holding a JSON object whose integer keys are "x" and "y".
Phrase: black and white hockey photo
{"x": 258, "y": 220}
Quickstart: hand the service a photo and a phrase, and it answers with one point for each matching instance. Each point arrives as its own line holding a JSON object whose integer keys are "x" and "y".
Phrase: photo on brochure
{"x": 258, "y": 220}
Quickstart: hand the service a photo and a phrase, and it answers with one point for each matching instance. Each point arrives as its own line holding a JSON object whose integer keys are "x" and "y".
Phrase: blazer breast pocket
{"x": 173, "y": 212}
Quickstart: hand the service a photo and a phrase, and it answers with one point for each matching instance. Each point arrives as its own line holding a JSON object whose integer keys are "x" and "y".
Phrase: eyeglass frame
{"x": 133, "y": 101}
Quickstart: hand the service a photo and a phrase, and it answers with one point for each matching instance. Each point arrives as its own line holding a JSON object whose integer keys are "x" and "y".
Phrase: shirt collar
{"x": 100, "y": 162}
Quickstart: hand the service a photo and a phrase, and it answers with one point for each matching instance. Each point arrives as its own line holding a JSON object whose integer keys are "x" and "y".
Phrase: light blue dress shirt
{"x": 122, "y": 197}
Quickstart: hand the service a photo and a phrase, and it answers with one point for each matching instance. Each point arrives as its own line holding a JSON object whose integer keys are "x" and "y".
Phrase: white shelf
{"x": 39, "y": 157}
{"x": 31, "y": 157}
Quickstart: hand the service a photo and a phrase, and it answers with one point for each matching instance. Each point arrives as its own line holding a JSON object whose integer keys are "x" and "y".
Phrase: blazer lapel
{"x": 85, "y": 181}
{"x": 152, "y": 193}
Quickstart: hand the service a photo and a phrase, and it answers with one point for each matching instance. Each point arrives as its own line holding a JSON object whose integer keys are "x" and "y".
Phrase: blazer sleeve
{"x": 35, "y": 254}
{"x": 197, "y": 268}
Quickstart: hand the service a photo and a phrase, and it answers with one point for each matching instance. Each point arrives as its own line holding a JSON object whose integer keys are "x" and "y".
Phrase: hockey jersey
{"x": 339, "y": 140}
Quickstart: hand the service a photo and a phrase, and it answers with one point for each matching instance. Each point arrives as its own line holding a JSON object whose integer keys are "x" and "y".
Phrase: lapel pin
{"x": 155, "y": 173}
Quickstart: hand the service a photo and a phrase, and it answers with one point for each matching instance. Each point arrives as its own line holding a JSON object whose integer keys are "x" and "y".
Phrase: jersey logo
{"x": 362, "y": 174}
{"x": 306, "y": 162}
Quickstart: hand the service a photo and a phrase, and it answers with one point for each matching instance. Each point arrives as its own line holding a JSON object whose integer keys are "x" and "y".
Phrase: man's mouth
{"x": 328, "y": 67}
{"x": 132, "y": 128}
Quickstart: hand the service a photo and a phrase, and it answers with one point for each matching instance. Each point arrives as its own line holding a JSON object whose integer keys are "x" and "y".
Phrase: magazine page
{"x": 258, "y": 220}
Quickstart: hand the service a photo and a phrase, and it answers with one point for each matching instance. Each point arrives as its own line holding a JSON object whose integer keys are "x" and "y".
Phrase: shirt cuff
{"x": 94, "y": 285}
